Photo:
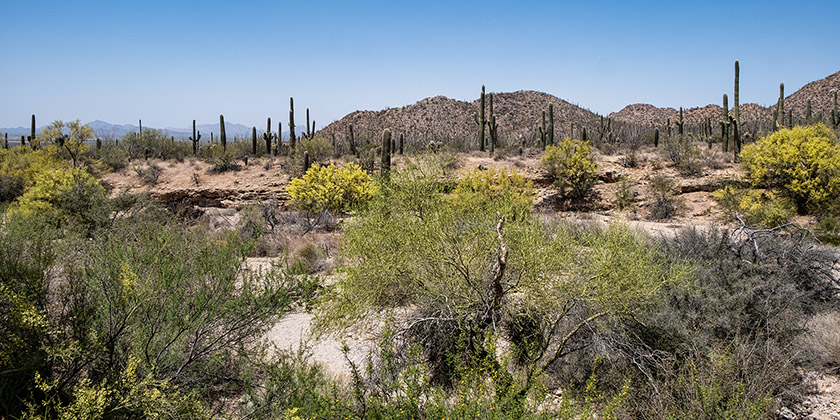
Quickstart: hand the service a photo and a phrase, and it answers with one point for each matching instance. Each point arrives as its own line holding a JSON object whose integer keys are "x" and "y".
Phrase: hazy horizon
{"x": 168, "y": 63}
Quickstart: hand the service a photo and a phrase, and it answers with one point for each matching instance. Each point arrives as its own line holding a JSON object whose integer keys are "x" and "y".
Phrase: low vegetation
{"x": 487, "y": 307}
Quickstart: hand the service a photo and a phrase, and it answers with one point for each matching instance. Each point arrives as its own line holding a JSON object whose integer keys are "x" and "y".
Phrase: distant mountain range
{"x": 103, "y": 129}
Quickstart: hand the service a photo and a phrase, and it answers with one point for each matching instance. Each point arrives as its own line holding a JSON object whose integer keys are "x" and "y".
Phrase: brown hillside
{"x": 518, "y": 115}
{"x": 821, "y": 94}
{"x": 643, "y": 114}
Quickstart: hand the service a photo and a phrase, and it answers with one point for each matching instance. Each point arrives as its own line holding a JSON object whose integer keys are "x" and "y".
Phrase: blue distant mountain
{"x": 103, "y": 129}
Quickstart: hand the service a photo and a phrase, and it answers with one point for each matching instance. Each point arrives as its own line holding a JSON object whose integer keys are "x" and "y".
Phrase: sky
{"x": 169, "y": 62}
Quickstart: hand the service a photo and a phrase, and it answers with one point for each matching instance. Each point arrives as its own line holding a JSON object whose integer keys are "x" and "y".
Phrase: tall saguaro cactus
{"x": 291, "y": 125}
{"x": 267, "y": 136}
{"x": 681, "y": 126}
{"x": 194, "y": 139}
{"x": 351, "y": 139}
{"x": 493, "y": 127}
{"x": 222, "y": 135}
{"x": 254, "y": 141}
{"x": 386, "y": 153}
{"x": 308, "y": 129}
{"x": 481, "y": 121}
{"x": 550, "y": 139}
{"x": 780, "y": 109}
{"x": 736, "y": 111}
{"x": 32, "y": 132}
{"x": 724, "y": 124}
{"x": 835, "y": 113}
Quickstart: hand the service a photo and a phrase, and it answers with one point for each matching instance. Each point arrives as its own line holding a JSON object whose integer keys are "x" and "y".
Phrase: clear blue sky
{"x": 168, "y": 62}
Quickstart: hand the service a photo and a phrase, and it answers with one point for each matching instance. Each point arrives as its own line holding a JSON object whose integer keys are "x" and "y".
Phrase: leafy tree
{"x": 804, "y": 162}
{"x": 470, "y": 274}
{"x": 70, "y": 144}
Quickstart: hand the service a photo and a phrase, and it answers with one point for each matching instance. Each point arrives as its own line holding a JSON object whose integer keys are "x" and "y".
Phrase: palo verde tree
{"x": 476, "y": 265}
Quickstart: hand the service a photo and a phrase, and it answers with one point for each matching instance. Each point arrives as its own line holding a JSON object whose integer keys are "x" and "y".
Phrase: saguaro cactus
{"x": 140, "y": 122}
{"x": 808, "y": 112}
{"x": 543, "y": 133}
{"x": 493, "y": 127}
{"x": 656, "y": 138}
{"x": 352, "y": 140}
{"x": 550, "y": 138}
{"x": 481, "y": 121}
{"x": 222, "y": 135}
{"x": 402, "y": 140}
{"x": 835, "y": 113}
{"x": 267, "y": 136}
{"x": 254, "y": 141}
{"x": 5, "y": 140}
{"x": 305, "y": 161}
{"x": 780, "y": 109}
{"x": 32, "y": 132}
{"x": 292, "y": 137}
{"x": 724, "y": 124}
{"x": 308, "y": 129}
{"x": 194, "y": 139}
{"x": 681, "y": 127}
{"x": 735, "y": 97}
{"x": 386, "y": 153}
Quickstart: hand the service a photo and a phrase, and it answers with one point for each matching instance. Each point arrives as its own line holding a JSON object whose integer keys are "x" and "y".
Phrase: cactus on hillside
{"x": 481, "y": 121}
{"x": 724, "y": 124}
{"x": 835, "y": 113}
{"x": 779, "y": 118}
{"x": 681, "y": 128}
{"x": 808, "y": 112}
{"x": 32, "y": 132}
{"x": 305, "y": 161}
{"x": 222, "y": 135}
{"x": 543, "y": 133}
{"x": 308, "y": 129}
{"x": 735, "y": 97}
{"x": 351, "y": 140}
{"x": 656, "y": 138}
{"x": 291, "y": 125}
{"x": 386, "y": 153}
{"x": 194, "y": 139}
{"x": 493, "y": 127}
{"x": 402, "y": 140}
{"x": 550, "y": 138}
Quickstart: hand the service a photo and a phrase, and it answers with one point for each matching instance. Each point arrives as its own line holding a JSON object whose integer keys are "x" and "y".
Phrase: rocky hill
{"x": 821, "y": 94}
{"x": 518, "y": 115}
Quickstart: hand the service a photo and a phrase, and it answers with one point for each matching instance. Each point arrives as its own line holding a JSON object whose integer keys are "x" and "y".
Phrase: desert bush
{"x": 111, "y": 156}
{"x": 222, "y": 160}
{"x": 804, "y": 162}
{"x": 491, "y": 189}
{"x": 327, "y": 188}
{"x": 684, "y": 154}
{"x": 471, "y": 271}
{"x": 64, "y": 196}
{"x": 823, "y": 335}
{"x": 149, "y": 319}
{"x": 149, "y": 174}
{"x": 319, "y": 150}
{"x": 153, "y": 143}
{"x": 663, "y": 202}
{"x": 571, "y": 166}
{"x": 761, "y": 208}
{"x": 624, "y": 198}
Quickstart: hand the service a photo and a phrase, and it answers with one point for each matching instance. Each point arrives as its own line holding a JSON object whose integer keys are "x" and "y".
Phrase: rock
{"x": 787, "y": 414}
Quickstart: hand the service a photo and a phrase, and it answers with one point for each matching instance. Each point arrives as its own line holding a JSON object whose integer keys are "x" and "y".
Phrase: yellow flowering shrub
{"x": 763, "y": 208}
{"x": 331, "y": 188}
{"x": 804, "y": 162}
{"x": 571, "y": 166}
{"x": 64, "y": 194}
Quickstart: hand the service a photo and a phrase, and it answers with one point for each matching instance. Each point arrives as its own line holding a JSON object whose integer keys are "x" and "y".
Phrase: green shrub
{"x": 624, "y": 198}
{"x": 488, "y": 190}
{"x": 154, "y": 143}
{"x": 571, "y": 167}
{"x": 761, "y": 208}
{"x": 319, "y": 151}
{"x": 64, "y": 196}
{"x": 327, "y": 188}
{"x": 110, "y": 156}
{"x": 663, "y": 202}
{"x": 804, "y": 162}
{"x": 222, "y": 160}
